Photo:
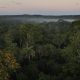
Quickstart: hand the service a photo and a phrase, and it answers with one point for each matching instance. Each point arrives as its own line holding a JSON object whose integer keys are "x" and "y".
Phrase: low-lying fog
{"x": 37, "y": 20}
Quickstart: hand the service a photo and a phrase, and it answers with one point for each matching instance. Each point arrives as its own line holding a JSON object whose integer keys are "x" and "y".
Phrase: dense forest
{"x": 40, "y": 51}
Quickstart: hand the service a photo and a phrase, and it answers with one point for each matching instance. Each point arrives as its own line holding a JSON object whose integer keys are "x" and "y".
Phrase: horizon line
{"x": 40, "y": 14}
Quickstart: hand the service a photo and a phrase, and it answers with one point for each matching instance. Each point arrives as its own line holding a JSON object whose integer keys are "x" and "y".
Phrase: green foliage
{"x": 47, "y": 51}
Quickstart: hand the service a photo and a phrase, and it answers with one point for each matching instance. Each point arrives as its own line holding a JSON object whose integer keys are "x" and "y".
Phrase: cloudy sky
{"x": 48, "y": 7}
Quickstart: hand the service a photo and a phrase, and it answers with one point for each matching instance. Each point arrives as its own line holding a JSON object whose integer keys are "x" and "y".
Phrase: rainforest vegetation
{"x": 40, "y": 51}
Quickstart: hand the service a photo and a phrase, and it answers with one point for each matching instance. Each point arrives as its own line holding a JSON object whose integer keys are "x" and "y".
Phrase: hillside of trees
{"x": 42, "y": 16}
{"x": 44, "y": 51}
{"x": 37, "y": 18}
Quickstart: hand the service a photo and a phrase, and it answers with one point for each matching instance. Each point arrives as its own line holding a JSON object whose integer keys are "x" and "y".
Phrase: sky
{"x": 45, "y": 7}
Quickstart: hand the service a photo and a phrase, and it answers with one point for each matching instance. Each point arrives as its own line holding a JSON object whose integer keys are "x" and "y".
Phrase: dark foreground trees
{"x": 45, "y": 51}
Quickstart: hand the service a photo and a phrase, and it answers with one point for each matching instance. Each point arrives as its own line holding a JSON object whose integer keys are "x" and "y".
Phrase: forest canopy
{"x": 43, "y": 51}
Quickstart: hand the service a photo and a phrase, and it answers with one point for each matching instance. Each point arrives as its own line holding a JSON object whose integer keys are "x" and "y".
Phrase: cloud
{"x": 16, "y": 2}
{"x": 2, "y": 7}
{"x": 77, "y": 4}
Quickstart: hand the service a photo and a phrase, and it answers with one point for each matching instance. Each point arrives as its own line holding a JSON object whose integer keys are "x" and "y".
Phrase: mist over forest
{"x": 38, "y": 18}
{"x": 39, "y": 47}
